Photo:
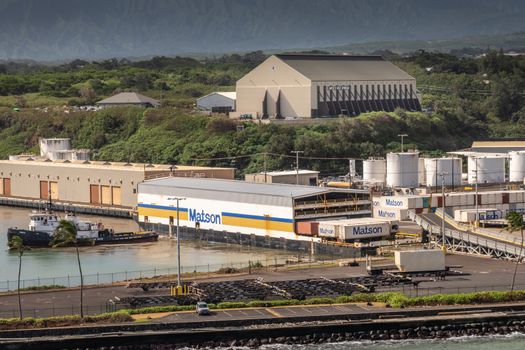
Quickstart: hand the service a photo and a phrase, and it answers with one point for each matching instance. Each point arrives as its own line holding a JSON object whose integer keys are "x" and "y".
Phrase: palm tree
{"x": 65, "y": 236}
{"x": 16, "y": 243}
{"x": 515, "y": 223}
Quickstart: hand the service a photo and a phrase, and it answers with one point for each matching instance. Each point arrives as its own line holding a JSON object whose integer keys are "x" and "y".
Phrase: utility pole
{"x": 178, "y": 199}
{"x": 350, "y": 172}
{"x": 402, "y": 141}
{"x": 264, "y": 167}
{"x": 476, "y": 185}
{"x": 297, "y": 165}
{"x": 443, "y": 246}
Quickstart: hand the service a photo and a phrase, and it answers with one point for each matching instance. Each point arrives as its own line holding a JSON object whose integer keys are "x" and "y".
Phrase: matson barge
{"x": 256, "y": 214}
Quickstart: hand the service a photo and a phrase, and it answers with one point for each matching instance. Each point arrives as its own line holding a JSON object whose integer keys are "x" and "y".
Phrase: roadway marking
{"x": 340, "y": 308}
{"x": 242, "y": 312}
{"x": 273, "y": 312}
{"x": 226, "y": 312}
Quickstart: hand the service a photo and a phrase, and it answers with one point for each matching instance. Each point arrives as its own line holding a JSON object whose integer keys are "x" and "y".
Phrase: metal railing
{"x": 472, "y": 242}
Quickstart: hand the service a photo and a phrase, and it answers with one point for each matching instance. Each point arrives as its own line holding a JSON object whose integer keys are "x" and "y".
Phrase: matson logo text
{"x": 204, "y": 217}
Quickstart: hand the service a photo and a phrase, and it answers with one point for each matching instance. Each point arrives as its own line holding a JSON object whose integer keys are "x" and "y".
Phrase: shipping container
{"x": 423, "y": 260}
{"x": 307, "y": 228}
{"x": 389, "y": 213}
{"x": 355, "y": 231}
{"x": 329, "y": 229}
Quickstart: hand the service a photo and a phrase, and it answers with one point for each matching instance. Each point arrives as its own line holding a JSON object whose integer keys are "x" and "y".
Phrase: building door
{"x": 94, "y": 197}
{"x": 105, "y": 192}
{"x": 54, "y": 189}
{"x": 116, "y": 195}
{"x": 6, "y": 187}
{"x": 44, "y": 190}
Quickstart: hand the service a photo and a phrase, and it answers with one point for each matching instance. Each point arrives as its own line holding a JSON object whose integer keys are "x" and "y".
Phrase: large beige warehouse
{"x": 324, "y": 85}
{"x": 89, "y": 182}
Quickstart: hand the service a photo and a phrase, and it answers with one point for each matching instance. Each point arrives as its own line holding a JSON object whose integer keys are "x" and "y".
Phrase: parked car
{"x": 202, "y": 308}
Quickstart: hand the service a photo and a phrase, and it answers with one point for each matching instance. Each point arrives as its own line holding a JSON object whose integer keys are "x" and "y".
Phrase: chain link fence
{"x": 188, "y": 271}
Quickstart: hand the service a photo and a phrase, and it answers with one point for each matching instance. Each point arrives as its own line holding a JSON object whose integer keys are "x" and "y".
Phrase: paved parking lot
{"x": 485, "y": 274}
{"x": 267, "y": 313}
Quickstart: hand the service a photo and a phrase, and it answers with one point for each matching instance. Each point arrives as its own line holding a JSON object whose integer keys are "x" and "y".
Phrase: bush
{"x": 62, "y": 321}
{"x": 46, "y": 287}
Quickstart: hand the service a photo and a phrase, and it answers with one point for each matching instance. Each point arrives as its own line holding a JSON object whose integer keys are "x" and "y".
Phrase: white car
{"x": 202, "y": 308}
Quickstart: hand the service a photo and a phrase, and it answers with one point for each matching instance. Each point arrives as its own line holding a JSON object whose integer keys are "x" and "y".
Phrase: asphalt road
{"x": 485, "y": 274}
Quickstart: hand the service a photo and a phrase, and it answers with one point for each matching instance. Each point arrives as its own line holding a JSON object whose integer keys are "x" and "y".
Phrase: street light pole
{"x": 402, "y": 140}
{"x": 443, "y": 246}
{"x": 297, "y": 165}
{"x": 178, "y": 199}
{"x": 477, "y": 208}
{"x": 264, "y": 166}
{"x": 178, "y": 243}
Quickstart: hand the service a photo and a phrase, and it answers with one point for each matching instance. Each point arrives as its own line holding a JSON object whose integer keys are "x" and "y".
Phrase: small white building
{"x": 305, "y": 177}
{"x": 218, "y": 102}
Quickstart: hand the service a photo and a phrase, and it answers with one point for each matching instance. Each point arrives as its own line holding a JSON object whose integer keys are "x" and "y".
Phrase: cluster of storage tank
{"x": 407, "y": 170}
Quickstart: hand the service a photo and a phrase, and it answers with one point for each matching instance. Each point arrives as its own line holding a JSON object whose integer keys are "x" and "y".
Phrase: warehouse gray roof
{"x": 344, "y": 67}
{"x": 129, "y": 98}
{"x": 235, "y": 186}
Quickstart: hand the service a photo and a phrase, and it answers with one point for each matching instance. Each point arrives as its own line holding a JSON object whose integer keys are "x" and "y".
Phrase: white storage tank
{"x": 489, "y": 169}
{"x": 47, "y": 146}
{"x": 517, "y": 166}
{"x": 452, "y": 168}
{"x": 374, "y": 170}
{"x": 421, "y": 175}
{"x": 402, "y": 169}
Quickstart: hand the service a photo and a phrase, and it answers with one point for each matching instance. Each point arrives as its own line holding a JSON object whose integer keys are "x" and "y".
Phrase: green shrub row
{"x": 393, "y": 299}
{"x": 46, "y": 287}
{"x": 30, "y": 322}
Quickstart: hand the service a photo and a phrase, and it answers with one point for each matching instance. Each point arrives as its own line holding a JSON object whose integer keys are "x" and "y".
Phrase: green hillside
{"x": 464, "y": 100}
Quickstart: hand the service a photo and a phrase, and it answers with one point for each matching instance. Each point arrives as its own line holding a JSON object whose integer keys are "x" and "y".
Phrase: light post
{"x": 402, "y": 140}
{"x": 178, "y": 199}
{"x": 476, "y": 222}
{"x": 443, "y": 246}
{"x": 297, "y": 165}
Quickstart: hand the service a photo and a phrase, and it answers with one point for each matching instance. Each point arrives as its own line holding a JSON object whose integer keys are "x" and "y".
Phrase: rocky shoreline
{"x": 423, "y": 332}
{"x": 440, "y": 327}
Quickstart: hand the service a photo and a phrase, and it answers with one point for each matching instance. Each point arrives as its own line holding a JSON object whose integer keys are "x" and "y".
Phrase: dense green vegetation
{"x": 464, "y": 99}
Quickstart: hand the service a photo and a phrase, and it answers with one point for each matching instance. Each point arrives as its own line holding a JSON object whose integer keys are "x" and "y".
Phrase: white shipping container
{"x": 351, "y": 232}
{"x": 398, "y": 202}
{"x": 390, "y": 213}
{"x": 420, "y": 260}
{"x": 328, "y": 229}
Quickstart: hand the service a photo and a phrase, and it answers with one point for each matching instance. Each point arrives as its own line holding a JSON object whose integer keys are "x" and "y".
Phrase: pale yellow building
{"x": 303, "y": 177}
{"x": 300, "y": 85}
{"x": 89, "y": 182}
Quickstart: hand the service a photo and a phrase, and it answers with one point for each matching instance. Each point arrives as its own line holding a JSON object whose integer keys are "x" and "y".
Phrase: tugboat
{"x": 42, "y": 226}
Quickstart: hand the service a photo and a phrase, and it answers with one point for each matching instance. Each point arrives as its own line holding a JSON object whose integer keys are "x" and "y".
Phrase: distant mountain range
{"x": 94, "y": 29}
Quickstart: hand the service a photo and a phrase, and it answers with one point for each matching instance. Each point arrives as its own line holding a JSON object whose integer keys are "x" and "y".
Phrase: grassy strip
{"x": 46, "y": 287}
{"x": 62, "y": 321}
{"x": 392, "y": 299}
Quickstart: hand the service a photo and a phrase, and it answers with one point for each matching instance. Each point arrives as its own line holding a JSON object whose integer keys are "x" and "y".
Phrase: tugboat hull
{"x": 30, "y": 238}
{"x": 43, "y": 239}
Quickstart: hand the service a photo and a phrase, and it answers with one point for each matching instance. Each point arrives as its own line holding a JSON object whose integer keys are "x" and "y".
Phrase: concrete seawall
{"x": 394, "y": 325}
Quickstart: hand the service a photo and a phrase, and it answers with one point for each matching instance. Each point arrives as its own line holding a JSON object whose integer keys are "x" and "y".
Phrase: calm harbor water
{"x": 509, "y": 342}
{"x": 121, "y": 260}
